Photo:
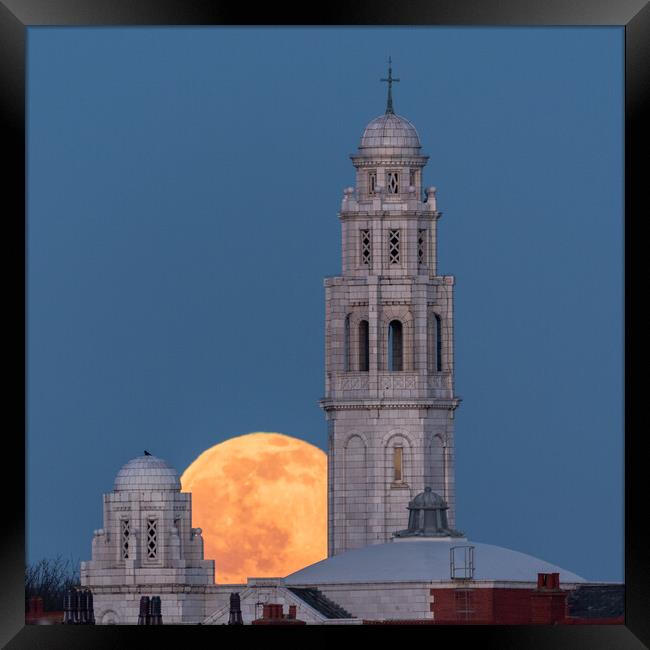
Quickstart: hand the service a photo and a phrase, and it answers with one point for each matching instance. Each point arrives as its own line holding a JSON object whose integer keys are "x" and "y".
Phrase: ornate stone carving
{"x": 398, "y": 381}
{"x": 440, "y": 380}
{"x": 355, "y": 382}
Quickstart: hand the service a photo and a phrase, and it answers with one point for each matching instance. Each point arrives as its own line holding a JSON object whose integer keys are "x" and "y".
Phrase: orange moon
{"x": 261, "y": 500}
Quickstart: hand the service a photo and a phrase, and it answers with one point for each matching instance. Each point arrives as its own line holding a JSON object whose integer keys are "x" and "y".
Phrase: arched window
{"x": 364, "y": 346}
{"x": 346, "y": 344}
{"x": 438, "y": 342}
{"x": 395, "y": 346}
{"x": 398, "y": 464}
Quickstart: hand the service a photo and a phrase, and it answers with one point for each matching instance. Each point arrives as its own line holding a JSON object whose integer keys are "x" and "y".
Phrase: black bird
{"x": 146, "y": 453}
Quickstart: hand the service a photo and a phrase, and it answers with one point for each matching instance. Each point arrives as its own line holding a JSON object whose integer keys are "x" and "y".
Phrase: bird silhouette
{"x": 146, "y": 453}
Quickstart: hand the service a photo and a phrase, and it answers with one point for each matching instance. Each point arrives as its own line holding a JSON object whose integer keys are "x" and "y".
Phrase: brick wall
{"x": 499, "y": 606}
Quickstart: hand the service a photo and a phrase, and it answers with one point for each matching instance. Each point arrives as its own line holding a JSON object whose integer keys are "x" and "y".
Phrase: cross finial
{"x": 389, "y": 102}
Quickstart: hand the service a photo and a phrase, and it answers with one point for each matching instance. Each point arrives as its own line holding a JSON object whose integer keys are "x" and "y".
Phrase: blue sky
{"x": 183, "y": 187}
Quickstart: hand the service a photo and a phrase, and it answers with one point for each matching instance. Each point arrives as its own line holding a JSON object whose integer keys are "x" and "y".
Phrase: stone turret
{"x": 147, "y": 543}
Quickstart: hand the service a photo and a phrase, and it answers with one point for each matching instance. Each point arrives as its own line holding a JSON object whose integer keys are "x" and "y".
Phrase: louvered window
{"x": 126, "y": 532}
{"x": 152, "y": 539}
{"x": 393, "y": 246}
{"x": 422, "y": 247}
{"x": 366, "y": 248}
{"x": 372, "y": 182}
{"x": 393, "y": 182}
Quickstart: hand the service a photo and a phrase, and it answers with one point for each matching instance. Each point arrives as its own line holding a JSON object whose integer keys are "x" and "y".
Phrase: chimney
{"x": 235, "y": 610}
{"x": 91, "y": 607}
{"x": 83, "y": 608}
{"x": 273, "y": 615}
{"x": 68, "y": 607}
{"x": 155, "y": 616}
{"x": 74, "y": 605}
{"x": 548, "y": 581}
{"x": 548, "y": 602}
{"x": 272, "y": 612}
{"x": 144, "y": 610}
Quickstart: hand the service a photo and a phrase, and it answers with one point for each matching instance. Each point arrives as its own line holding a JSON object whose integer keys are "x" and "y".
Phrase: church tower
{"x": 389, "y": 367}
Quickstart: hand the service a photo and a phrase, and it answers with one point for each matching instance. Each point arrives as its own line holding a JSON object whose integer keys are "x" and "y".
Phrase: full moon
{"x": 261, "y": 500}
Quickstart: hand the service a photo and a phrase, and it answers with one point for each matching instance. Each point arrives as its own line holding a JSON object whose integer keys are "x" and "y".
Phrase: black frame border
{"x": 634, "y": 15}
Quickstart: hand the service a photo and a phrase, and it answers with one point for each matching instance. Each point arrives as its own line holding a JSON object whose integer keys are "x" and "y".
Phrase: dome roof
{"x": 424, "y": 560}
{"x": 427, "y": 517}
{"x": 147, "y": 473}
{"x": 428, "y": 499}
{"x": 390, "y": 134}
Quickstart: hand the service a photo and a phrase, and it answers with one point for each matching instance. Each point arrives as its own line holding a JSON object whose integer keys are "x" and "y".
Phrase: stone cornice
{"x": 413, "y": 280}
{"x": 157, "y": 587}
{"x": 371, "y": 160}
{"x": 373, "y": 404}
{"x": 359, "y": 215}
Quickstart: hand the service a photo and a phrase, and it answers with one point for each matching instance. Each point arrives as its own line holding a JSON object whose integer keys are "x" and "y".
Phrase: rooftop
{"x": 390, "y": 134}
{"x": 424, "y": 560}
{"x": 147, "y": 473}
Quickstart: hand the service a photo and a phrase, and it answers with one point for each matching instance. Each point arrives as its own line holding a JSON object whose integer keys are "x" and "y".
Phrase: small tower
{"x": 428, "y": 517}
{"x": 389, "y": 368}
{"x": 147, "y": 547}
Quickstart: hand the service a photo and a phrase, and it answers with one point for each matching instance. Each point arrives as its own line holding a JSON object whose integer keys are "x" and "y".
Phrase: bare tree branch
{"x": 49, "y": 578}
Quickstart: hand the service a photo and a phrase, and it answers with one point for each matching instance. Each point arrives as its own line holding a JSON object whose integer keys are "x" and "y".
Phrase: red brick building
{"x": 547, "y": 604}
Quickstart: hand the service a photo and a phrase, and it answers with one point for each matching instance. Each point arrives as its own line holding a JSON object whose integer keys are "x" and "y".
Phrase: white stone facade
{"x": 147, "y": 547}
{"x": 389, "y": 367}
{"x": 260, "y": 591}
{"x": 381, "y": 602}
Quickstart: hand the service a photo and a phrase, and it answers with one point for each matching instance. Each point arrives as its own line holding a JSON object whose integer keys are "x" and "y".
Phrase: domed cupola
{"x": 389, "y": 163}
{"x": 147, "y": 473}
{"x": 389, "y": 135}
{"x": 428, "y": 517}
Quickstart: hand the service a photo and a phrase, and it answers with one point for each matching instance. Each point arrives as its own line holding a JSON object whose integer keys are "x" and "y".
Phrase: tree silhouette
{"x": 49, "y": 578}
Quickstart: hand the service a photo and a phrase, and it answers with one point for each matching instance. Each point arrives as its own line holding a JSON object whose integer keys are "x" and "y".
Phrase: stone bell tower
{"x": 389, "y": 367}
